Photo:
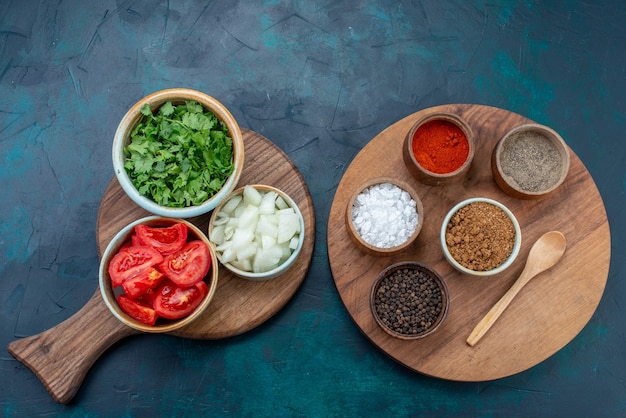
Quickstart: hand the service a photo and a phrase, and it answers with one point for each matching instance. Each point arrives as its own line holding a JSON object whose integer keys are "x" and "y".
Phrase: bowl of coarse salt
{"x": 384, "y": 216}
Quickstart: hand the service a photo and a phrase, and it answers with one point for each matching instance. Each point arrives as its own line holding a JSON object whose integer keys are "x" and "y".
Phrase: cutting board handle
{"x": 61, "y": 356}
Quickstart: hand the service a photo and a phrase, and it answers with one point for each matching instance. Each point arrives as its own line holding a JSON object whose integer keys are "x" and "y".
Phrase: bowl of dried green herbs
{"x": 178, "y": 153}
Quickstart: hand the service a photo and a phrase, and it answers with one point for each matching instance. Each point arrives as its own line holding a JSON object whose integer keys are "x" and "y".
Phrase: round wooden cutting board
{"x": 546, "y": 315}
{"x": 61, "y": 356}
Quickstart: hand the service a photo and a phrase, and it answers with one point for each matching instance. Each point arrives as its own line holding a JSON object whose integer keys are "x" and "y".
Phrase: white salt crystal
{"x": 384, "y": 215}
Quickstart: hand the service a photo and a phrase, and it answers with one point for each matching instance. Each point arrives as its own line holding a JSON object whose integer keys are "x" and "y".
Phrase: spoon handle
{"x": 494, "y": 313}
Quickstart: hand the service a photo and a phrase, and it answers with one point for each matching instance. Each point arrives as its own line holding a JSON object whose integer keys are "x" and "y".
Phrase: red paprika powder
{"x": 440, "y": 146}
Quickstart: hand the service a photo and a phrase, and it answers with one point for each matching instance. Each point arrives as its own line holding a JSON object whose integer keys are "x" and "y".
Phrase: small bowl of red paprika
{"x": 158, "y": 274}
{"x": 439, "y": 149}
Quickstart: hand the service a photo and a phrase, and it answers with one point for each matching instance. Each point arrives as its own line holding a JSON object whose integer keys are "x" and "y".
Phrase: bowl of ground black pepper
{"x": 384, "y": 216}
{"x": 480, "y": 237}
{"x": 439, "y": 149}
{"x": 409, "y": 300}
{"x": 530, "y": 161}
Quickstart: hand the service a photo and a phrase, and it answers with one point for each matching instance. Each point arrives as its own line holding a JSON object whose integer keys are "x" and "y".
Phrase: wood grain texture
{"x": 61, "y": 356}
{"x": 546, "y": 315}
{"x": 238, "y": 305}
{"x": 544, "y": 254}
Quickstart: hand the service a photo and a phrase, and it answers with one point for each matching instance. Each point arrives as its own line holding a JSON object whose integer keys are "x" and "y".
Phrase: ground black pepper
{"x": 531, "y": 161}
{"x": 408, "y": 301}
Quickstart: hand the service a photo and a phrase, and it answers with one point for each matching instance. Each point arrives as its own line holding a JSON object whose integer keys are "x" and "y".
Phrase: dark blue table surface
{"x": 319, "y": 79}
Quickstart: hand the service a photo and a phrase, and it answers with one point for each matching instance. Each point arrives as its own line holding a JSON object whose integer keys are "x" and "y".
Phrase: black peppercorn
{"x": 408, "y": 301}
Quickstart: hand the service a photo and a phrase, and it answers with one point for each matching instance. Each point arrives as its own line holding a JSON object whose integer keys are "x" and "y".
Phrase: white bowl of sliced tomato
{"x": 158, "y": 274}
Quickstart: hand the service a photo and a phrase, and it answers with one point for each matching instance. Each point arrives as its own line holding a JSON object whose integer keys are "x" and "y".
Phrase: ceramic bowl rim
{"x": 108, "y": 293}
{"x": 369, "y": 248}
{"x": 516, "y": 246}
{"x": 155, "y": 100}
{"x": 288, "y": 263}
{"x": 441, "y": 284}
{"x": 554, "y": 138}
{"x": 454, "y": 119}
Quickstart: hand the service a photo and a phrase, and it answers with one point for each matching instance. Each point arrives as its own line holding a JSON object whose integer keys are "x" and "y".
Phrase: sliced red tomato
{"x": 134, "y": 240}
{"x": 126, "y": 244}
{"x": 166, "y": 240}
{"x": 147, "y": 279}
{"x": 175, "y": 302}
{"x": 149, "y": 296}
{"x": 131, "y": 261}
{"x": 138, "y": 310}
{"x": 189, "y": 265}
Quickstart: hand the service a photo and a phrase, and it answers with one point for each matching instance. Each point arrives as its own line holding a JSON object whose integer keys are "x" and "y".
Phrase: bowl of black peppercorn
{"x": 409, "y": 300}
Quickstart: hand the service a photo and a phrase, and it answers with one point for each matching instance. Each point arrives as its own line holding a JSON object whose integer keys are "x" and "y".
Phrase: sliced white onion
{"x": 228, "y": 255}
{"x": 221, "y": 218}
{"x": 241, "y": 238}
{"x": 217, "y": 234}
{"x": 229, "y": 207}
{"x": 268, "y": 203}
{"x": 245, "y": 265}
{"x": 229, "y": 230}
{"x": 266, "y": 227}
{"x": 280, "y": 203}
{"x": 239, "y": 210}
{"x": 251, "y": 196}
{"x": 249, "y": 218}
{"x": 256, "y": 231}
{"x": 224, "y": 246}
{"x": 286, "y": 251}
{"x": 288, "y": 225}
{"x": 246, "y": 252}
{"x": 267, "y": 241}
{"x": 266, "y": 259}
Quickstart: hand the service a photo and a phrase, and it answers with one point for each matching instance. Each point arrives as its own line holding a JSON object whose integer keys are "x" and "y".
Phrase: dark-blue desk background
{"x": 319, "y": 79}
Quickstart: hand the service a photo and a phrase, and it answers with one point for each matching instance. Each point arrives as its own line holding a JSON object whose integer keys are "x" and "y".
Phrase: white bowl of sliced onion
{"x": 257, "y": 232}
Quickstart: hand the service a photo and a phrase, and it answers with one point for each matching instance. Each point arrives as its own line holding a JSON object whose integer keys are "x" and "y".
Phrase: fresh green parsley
{"x": 181, "y": 156}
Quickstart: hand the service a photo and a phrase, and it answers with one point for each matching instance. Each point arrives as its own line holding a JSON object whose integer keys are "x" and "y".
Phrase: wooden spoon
{"x": 545, "y": 253}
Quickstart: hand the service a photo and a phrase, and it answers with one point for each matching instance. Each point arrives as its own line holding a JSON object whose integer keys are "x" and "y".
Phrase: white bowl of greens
{"x": 178, "y": 153}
